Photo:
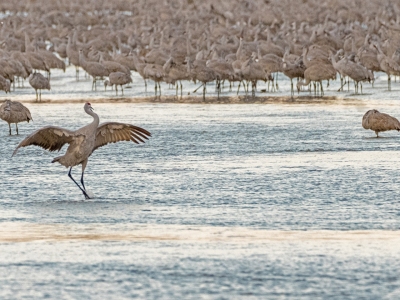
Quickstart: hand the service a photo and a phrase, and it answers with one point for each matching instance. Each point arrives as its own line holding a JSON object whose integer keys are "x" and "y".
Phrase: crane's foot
{"x": 86, "y": 195}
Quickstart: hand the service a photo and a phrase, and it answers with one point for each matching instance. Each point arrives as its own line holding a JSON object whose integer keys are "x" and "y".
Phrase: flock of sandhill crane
{"x": 240, "y": 42}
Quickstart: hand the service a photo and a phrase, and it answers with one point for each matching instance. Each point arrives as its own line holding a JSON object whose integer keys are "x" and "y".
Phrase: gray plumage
{"x": 174, "y": 72}
{"x": 84, "y": 141}
{"x": 293, "y": 70}
{"x": 198, "y": 71}
{"x": 252, "y": 71}
{"x": 5, "y": 84}
{"x": 113, "y": 66}
{"x": 95, "y": 69}
{"x": 118, "y": 78}
{"x": 317, "y": 73}
{"x": 379, "y": 122}
{"x": 14, "y": 112}
{"x": 39, "y": 82}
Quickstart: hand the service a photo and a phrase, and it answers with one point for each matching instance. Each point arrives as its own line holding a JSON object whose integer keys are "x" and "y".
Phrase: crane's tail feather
{"x": 15, "y": 151}
{"x": 56, "y": 159}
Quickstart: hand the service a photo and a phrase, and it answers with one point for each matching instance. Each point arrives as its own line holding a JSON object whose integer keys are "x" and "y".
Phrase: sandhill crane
{"x": 378, "y": 122}
{"x": 293, "y": 70}
{"x": 174, "y": 72}
{"x": 5, "y": 84}
{"x": 94, "y": 69}
{"x": 113, "y": 66}
{"x": 317, "y": 73}
{"x": 140, "y": 66}
{"x": 39, "y": 82}
{"x": 288, "y": 57}
{"x": 126, "y": 60}
{"x": 156, "y": 56}
{"x": 351, "y": 69}
{"x": 155, "y": 73}
{"x": 36, "y": 60}
{"x": 315, "y": 55}
{"x": 73, "y": 55}
{"x": 17, "y": 55}
{"x": 19, "y": 70}
{"x": 369, "y": 59}
{"x": 387, "y": 64}
{"x": 358, "y": 73}
{"x": 60, "y": 46}
{"x": 14, "y": 112}
{"x": 6, "y": 70}
{"x": 237, "y": 70}
{"x": 52, "y": 61}
{"x": 118, "y": 78}
{"x": 84, "y": 141}
{"x": 271, "y": 64}
{"x": 199, "y": 71}
{"x": 339, "y": 66}
{"x": 253, "y": 71}
{"x": 223, "y": 70}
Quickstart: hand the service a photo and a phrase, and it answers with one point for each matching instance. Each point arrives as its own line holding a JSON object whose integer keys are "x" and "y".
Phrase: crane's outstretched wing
{"x": 112, "y": 132}
{"x": 51, "y": 138}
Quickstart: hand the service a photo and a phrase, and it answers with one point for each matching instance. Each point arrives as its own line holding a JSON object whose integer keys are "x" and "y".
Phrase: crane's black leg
{"x": 16, "y": 127}
{"x": 291, "y": 88}
{"x": 197, "y": 88}
{"x": 82, "y": 182}
{"x": 83, "y": 191}
{"x": 9, "y": 126}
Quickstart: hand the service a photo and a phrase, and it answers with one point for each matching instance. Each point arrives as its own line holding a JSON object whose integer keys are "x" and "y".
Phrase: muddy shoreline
{"x": 208, "y": 100}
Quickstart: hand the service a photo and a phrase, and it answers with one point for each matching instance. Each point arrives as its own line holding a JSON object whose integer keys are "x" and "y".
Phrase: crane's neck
{"x": 96, "y": 119}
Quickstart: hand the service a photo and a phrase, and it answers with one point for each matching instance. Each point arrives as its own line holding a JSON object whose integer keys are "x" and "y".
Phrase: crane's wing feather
{"x": 387, "y": 122}
{"x": 51, "y": 138}
{"x": 20, "y": 111}
{"x": 112, "y": 132}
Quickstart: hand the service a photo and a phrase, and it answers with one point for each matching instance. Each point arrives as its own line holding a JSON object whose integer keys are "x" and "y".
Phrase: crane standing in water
{"x": 84, "y": 141}
{"x": 14, "y": 112}
{"x": 378, "y": 122}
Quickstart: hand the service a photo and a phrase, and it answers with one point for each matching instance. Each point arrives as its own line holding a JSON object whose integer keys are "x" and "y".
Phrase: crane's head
{"x": 8, "y": 105}
{"x": 88, "y": 106}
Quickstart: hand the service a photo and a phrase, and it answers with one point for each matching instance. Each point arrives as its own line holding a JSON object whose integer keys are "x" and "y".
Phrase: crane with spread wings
{"x": 84, "y": 141}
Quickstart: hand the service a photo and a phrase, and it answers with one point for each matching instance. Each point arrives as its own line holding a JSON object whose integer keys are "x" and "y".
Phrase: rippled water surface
{"x": 290, "y": 200}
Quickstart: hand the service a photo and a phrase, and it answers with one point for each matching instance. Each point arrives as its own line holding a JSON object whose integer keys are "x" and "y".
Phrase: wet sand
{"x": 210, "y": 100}
{"x": 27, "y": 232}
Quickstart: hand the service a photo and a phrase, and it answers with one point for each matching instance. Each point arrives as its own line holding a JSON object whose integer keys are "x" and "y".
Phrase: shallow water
{"x": 276, "y": 200}
{"x": 64, "y": 87}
